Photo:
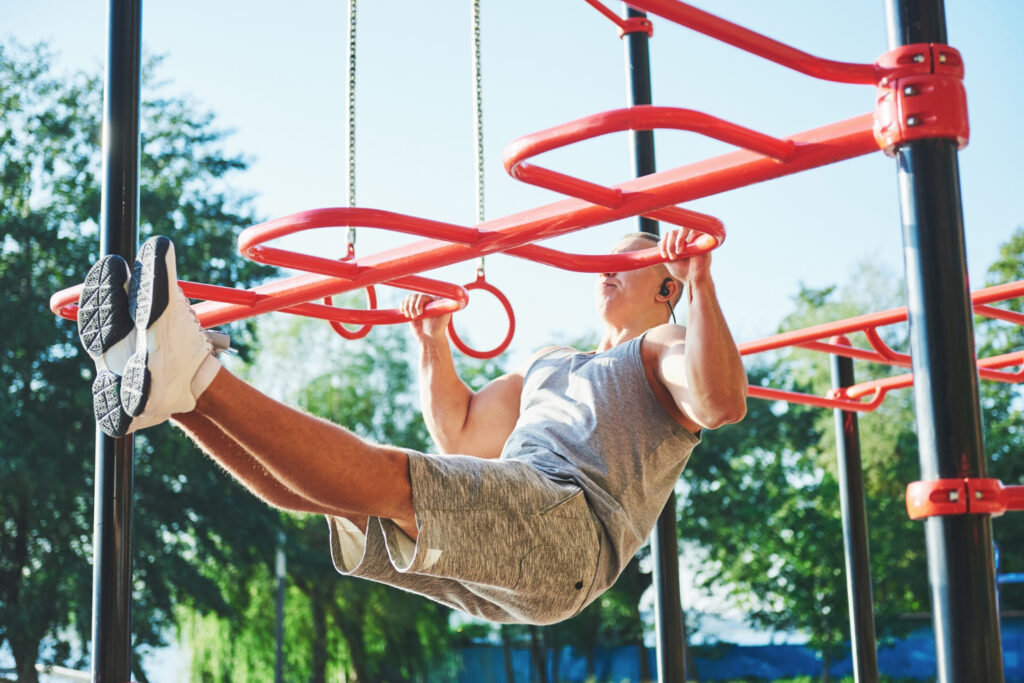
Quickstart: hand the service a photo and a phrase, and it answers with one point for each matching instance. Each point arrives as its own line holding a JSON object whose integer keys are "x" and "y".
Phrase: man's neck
{"x": 613, "y": 336}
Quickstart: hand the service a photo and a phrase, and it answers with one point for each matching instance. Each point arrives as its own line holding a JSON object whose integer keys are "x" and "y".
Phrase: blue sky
{"x": 276, "y": 76}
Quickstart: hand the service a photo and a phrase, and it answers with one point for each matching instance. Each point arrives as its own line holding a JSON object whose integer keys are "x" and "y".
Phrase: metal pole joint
{"x": 921, "y": 96}
{"x": 963, "y": 496}
{"x": 627, "y": 25}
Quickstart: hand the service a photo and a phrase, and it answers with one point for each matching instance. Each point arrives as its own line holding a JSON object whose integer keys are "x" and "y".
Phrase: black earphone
{"x": 664, "y": 291}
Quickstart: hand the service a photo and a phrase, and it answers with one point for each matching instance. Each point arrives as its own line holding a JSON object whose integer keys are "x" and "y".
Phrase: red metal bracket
{"x": 921, "y": 96}
{"x": 964, "y": 496}
{"x": 629, "y": 25}
{"x": 636, "y": 25}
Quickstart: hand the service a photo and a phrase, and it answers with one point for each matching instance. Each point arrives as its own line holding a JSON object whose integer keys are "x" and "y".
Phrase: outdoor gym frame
{"x": 920, "y": 119}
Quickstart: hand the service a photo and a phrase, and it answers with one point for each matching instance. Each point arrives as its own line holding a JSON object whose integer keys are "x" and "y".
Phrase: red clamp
{"x": 962, "y": 497}
{"x": 921, "y": 96}
{"x": 636, "y": 25}
{"x": 626, "y": 25}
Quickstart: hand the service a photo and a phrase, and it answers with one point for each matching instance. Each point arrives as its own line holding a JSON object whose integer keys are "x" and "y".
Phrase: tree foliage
{"x": 1002, "y": 417}
{"x": 762, "y": 510}
{"x": 763, "y": 507}
{"x": 49, "y": 218}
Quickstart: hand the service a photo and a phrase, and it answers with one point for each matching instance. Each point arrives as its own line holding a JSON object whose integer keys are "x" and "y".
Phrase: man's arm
{"x": 700, "y": 365}
{"x": 459, "y": 420}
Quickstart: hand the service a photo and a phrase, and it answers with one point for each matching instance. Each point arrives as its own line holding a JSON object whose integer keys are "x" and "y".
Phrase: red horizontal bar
{"x": 999, "y": 314}
{"x": 642, "y": 117}
{"x": 814, "y": 148}
{"x": 862, "y": 322}
{"x": 760, "y": 45}
{"x": 874, "y": 390}
{"x": 840, "y": 402}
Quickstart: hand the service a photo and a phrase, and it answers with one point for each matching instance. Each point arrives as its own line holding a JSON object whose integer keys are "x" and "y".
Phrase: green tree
{"x": 49, "y": 169}
{"x": 1001, "y": 414}
{"x": 763, "y": 500}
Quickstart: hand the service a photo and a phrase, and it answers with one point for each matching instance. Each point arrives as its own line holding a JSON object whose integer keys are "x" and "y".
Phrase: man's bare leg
{"x": 167, "y": 368}
{"x": 241, "y": 465}
{"x": 317, "y": 460}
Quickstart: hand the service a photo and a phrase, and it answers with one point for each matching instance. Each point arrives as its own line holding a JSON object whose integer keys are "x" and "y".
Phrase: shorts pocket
{"x": 555, "y": 580}
{"x": 559, "y": 574}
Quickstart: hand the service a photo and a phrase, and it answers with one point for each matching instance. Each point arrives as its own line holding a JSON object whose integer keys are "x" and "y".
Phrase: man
{"x": 561, "y": 469}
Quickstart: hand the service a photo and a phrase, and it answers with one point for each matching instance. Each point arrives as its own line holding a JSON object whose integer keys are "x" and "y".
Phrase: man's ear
{"x": 669, "y": 289}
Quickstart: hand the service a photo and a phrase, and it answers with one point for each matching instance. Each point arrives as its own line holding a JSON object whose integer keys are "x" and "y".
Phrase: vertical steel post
{"x": 112, "y": 563}
{"x": 280, "y": 577}
{"x": 855, "y": 530}
{"x": 668, "y": 612}
{"x": 961, "y": 566}
{"x": 638, "y": 70}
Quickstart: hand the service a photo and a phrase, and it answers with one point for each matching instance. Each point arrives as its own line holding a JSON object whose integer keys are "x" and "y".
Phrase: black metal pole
{"x": 280, "y": 577}
{"x": 961, "y": 566}
{"x": 112, "y": 564}
{"x": 668, "y": 613}
{"x": 638, "y": 69}
{"x": 855, "y": 532}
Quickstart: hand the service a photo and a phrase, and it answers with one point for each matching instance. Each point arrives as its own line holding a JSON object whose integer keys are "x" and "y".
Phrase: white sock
{"x": 207, "y": 370}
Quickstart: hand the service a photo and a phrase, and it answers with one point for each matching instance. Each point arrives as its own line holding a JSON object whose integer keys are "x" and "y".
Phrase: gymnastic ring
{"x": 481, "y": 283}
{"x": 371, "y": 303}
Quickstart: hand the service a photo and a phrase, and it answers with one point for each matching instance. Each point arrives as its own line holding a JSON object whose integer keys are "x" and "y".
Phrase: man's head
{"x": 642, "y": 294}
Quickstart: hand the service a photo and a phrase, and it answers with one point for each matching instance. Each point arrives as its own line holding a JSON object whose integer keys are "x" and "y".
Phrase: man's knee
{"x": 397, "y": 487}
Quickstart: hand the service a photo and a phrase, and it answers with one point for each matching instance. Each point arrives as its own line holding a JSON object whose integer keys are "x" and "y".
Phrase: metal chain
{"x": 478, "y": 122}
{"x": 351, "y": 158}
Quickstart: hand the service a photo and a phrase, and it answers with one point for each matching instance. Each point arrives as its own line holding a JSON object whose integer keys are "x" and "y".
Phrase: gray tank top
{"x": 593, "y": 419}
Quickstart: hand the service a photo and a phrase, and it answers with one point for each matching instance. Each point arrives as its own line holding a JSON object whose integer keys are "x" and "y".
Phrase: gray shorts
{"x": 496, "y": 539}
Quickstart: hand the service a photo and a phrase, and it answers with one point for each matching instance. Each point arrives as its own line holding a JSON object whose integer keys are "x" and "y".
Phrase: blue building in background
{"x": 910, "y": 658}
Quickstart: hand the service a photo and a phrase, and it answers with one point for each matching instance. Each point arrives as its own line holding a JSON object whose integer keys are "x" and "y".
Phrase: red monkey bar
{"x": 761, "y": 158}
{"x": 866, "y": 396}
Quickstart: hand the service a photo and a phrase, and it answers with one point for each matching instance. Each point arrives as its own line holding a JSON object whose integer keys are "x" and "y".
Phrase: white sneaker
{"x": 106, "y": 329}
{"x": 173, "y": 361}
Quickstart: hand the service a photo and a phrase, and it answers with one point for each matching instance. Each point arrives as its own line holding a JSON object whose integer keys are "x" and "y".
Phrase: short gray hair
{"x": 655, "y": 238}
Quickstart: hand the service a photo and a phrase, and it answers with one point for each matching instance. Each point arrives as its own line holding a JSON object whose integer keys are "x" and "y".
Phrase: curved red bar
{"x": 590, "y": 263}
{"x": 850, "y": 404}
{"x": 760, "y": 45}
{"x": 65, "y": 302}
{"x": 874, "y": 391}
{"x": 825, "y": 145}
{"x": 251, "y": 243}
{"x": 642, "y": 117}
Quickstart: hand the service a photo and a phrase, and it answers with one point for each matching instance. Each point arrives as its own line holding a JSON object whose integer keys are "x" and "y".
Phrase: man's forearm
{"x": 714, "y": 370}
{"x": 444, "y": 396}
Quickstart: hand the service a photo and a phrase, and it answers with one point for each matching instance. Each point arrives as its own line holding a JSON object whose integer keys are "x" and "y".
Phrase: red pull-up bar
{"x": 866, "y": 396}
{"x": 763, "y": 157}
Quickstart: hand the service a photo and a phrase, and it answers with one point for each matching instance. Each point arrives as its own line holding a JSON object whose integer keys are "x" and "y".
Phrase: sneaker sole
{"x": 104, "y": 318}
{"x": 103, "y": 322}
{"x": 106, "y": 404}
{"x": 147, "y": 301}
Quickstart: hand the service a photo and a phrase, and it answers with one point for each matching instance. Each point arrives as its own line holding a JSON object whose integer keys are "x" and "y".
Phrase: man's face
{"x": 622, "y": 294}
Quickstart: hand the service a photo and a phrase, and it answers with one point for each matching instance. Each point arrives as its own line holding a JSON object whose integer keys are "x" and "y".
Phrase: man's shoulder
{"x": 665, "y": 334}
{"x": 522, "y": 370}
